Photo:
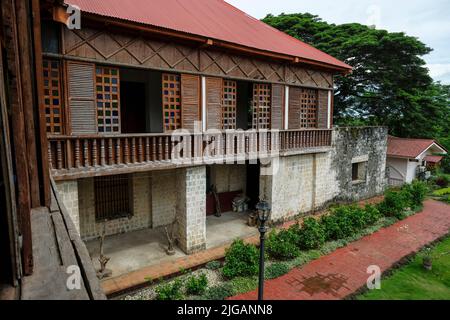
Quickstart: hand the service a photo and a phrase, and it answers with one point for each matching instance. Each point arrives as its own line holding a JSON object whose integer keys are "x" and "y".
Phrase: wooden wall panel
{"x": 103, "y": 45}
{"x": 277, "y": 108}
{"x": 190, "y": 100}
{"x": 81, "y": 97}
{"x": 213, "y": 103}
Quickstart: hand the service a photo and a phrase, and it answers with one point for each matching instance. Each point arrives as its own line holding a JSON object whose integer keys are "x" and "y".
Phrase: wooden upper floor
{"x": 114, "y": 96}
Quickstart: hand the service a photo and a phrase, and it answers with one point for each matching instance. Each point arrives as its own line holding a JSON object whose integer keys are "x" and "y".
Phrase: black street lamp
{"x": 263, "y": 215}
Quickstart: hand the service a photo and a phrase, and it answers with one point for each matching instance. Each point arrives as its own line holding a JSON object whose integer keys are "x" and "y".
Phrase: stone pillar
{"x": 68, "y": 190}
{"x": 191, "y": 209}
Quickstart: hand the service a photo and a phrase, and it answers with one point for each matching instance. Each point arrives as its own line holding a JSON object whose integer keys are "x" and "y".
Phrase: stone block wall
{"x": 229, "y": 178}
{"x": 191, "y": 209}
{"x": 68, "y": 190}
{"x": 141, "y": 218}
{"x": 164, "y": 195}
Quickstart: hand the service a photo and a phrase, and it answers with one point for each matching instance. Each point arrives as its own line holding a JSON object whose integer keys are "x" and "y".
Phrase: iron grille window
{"x": 112, "y": 197}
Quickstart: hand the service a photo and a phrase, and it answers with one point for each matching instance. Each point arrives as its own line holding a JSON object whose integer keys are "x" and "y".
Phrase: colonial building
{"x": 153, "y": 107}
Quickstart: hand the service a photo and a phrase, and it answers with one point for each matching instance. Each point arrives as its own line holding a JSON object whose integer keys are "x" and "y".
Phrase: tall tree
{"x": 389, "y": 85}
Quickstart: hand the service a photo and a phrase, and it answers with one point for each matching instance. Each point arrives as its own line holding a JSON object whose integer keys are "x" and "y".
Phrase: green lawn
{"x": 413, "y": 282}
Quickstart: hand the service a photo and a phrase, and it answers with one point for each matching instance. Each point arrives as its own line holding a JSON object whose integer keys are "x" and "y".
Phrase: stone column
{"x": 191, "y": 209}
{"x": 68, "y": 190}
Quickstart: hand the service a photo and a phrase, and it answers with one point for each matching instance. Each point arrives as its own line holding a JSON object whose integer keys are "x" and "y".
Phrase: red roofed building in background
{"x": 407, "y": 158}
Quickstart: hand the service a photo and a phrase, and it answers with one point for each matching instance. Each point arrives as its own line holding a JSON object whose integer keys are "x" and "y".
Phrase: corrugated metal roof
{"x": 407, "y": 148}
{"x": 433, "y": 159}
{"x": 213, "y": 19}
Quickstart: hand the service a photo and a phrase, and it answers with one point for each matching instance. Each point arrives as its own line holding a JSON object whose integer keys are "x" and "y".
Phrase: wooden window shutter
{"x": 261, "y": 106}
{"x": 107, "y": 91}
{"x": 322, "y": 109}
{"x": 229, "y": 104}
{"x": 190, "y": 100}
{"x": 171, "y": 96}
{"x": 213, "y": 103}
{"x": 277, "y": 106}
{"x": 81, "y": 97}
{"x": 294, "y": 108}
{"x": 53, "y": 98}
{"x": 308, "y": 108}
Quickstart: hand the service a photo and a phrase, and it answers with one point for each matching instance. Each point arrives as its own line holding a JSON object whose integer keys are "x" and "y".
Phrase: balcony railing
{"x": 93, "y": 152}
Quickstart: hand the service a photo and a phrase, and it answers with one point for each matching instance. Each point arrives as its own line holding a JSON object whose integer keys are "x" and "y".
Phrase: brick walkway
{"x": 343, "y": 272}
{"x": 139, "y": 278}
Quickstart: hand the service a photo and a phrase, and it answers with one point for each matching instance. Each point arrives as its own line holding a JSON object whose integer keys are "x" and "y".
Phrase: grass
{"x": 413, "y": 282}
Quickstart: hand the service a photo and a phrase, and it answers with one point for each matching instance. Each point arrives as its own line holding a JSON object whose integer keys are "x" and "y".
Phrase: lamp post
{"x": 263, "y": 209}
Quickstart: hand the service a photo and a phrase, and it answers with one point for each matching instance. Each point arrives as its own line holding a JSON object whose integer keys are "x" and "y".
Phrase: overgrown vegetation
{"x": 241, "y": 260}
{"x": 196, "y": 285}
{"x": 170, "y": 291}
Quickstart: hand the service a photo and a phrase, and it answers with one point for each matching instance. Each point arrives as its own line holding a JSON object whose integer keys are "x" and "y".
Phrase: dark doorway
{"x": 133, "y": 110}
{"x": 253, "y": 174}
{"x": 243, "y": 105}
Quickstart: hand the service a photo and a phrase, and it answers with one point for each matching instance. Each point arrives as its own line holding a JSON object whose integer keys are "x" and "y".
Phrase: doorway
{"x": 133, "y": 110}
{"x": 253, "y": 174}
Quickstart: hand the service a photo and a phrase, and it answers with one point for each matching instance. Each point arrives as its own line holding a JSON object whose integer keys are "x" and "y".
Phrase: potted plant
{"x": 427, "y": 259}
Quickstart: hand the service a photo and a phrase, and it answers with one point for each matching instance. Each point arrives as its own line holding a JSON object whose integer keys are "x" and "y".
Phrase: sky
{"x": 428, "y": 20}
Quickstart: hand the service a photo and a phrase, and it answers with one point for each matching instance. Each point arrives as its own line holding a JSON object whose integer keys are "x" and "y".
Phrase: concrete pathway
{"x": 344, "y": 271}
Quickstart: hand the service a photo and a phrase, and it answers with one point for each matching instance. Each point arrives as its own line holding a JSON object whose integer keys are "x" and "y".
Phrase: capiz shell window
{"x": 107, "y": 84}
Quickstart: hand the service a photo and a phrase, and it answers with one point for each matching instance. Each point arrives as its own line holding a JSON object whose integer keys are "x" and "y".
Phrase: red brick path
{"x": 343, "y": 272}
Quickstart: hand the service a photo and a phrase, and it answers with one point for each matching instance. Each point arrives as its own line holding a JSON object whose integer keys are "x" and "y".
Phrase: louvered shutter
{"x": 213, "y": 103}
{"x": 277, "y": 106}
{"x": 322, "y": 111}
{"x": 81, "y": 97}
{"x": 190, "y": 100}
{"x": 294, "y": 108}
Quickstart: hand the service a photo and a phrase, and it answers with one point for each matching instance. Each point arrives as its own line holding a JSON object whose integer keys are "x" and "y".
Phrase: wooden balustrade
{"x": 80, "y": 152}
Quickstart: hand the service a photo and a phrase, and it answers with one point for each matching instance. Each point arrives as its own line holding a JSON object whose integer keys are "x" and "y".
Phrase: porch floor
{"x": 137, "y": 249}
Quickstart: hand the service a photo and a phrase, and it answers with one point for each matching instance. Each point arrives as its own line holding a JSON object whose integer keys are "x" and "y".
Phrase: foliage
{"x": 170, "y": 291}
{"x": 394, "y": 204}
{"x": 390, "y": 84}
{"x": 282, "y": 245}
{"x": 196, "y": 285}
{"x": 244, "y": 284}
{"x": 213, "y": 265}
{"x": 442, "y": 181}
{"x": 416, "y": 191}
{"x": 276, "y": 270}
{"x": 241, "y": 260}
{"x": 441, "y": 192}
{"x": 311, "y": 235}
{"x": 220, "y": 292}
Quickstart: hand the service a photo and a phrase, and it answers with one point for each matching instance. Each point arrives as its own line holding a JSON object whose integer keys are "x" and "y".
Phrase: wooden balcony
{"x": 74, "y": 157}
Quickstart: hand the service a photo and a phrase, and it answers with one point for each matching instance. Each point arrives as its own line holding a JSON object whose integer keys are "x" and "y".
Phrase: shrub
{"x": 372, "y": 214}
{"x": 276, "y": 270}
{"x": 357, "y": 217}
{"x": 241, "y": 260}
{"x": 282, "y": 245}
{"x": 344, "y": 220}
{"x": 220, "y": 292}
{"x": 169, "y": 291}
{"x": 196, "y": 285}
{"x": 394, "y": 204}
{"x": 330, "y": 227}
{"x": 311, "y": 235}
{"x": 213, "y": 265}
{"x": 416, "y": 192}
{"x": 442, "y": 181}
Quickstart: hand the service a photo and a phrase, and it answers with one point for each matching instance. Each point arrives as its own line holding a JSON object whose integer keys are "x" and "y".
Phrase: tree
{"x": 390, "y": 84}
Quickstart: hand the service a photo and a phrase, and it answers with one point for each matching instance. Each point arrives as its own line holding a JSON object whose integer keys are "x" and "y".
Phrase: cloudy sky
{"x": 428, "y": 20}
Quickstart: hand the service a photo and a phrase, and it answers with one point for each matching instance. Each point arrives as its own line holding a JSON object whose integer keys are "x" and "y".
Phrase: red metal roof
{"x": 214, "y": 19}
{"x": 433, "y": 159}
{"x": 407, "y": 148}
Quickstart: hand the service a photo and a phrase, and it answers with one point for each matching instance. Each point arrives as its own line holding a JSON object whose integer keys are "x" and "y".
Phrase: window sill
{"x": 358, "y": 182}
